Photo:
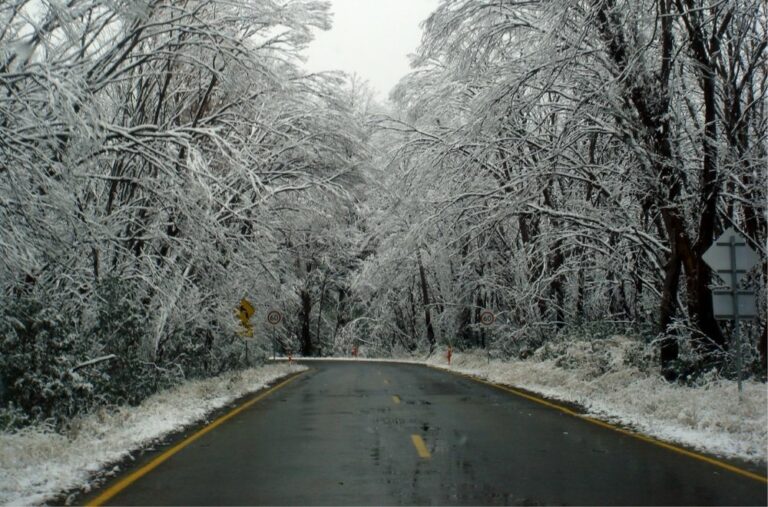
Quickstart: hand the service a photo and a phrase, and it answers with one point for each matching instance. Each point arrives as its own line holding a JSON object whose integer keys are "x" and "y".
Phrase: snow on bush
{"x": 607, "y": 378}
{"x": 37, "y": 463}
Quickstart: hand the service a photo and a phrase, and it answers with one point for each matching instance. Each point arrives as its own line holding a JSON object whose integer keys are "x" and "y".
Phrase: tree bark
{"x": 425, "y": 302}
{"x": 669, "y": 345}
{"x": 320, "y": 308}
{"x": 305, "y": 337}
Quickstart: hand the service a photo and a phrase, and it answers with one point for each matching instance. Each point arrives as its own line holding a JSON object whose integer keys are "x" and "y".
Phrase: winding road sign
{"x": 246, "y": 309}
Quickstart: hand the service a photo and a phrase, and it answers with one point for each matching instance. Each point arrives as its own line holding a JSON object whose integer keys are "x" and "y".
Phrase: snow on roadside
{"x": 36, "y": 464}
{"x": 709, "y": 417}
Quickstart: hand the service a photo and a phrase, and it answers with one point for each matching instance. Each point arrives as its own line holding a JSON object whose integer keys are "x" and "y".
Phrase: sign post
{"x": 731, "y": 258}
{"x": 486, "y": 319}
{"x": 274, "y": 317}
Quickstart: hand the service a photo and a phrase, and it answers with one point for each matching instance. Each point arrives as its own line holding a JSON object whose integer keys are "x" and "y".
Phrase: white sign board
{"x": 723, "y": 302}
{"x": 719, "y": 256}
{"x": 731, "y": 258}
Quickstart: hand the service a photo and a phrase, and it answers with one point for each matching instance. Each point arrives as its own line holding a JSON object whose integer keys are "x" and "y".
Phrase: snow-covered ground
{"x": 708, "y": 417}
{"x": 37, "y": 464}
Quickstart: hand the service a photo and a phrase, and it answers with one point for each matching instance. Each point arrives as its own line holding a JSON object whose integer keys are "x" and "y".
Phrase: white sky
{"x": 372, "y": 38}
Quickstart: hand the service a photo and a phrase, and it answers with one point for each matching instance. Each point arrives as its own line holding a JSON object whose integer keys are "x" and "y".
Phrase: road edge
{"x": 584, "y": 416}
{"x": 110, "y": 491}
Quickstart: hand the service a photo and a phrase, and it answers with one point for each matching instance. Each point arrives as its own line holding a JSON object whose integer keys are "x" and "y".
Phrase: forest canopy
{"x": 562, "y": 164}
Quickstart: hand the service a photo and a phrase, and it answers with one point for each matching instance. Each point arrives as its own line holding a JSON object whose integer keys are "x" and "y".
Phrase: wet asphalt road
{"x": 351, "y": 433}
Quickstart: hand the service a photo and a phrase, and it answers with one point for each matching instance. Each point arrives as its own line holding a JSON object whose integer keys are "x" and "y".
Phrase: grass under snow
{"x": 709, "y": 417}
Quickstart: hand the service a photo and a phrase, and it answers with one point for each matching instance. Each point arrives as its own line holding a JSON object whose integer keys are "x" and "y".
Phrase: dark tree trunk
{"x": 465, "y": 321}
{"x": 669, "y": 345}
{"x": 320, "y": 309}
{"x": 652, "y": 106}
{"x": 425, "y": 302}
{"x": 341, "y": 312}
{"x": 305, "y": 337}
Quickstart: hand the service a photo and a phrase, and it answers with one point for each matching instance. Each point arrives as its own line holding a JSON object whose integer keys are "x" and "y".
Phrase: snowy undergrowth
{"x": 708, "y": 417}
{"x": 37, "y": 464}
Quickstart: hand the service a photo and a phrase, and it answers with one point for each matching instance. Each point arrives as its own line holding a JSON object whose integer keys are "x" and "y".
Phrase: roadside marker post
{"x": 731, "y": 258}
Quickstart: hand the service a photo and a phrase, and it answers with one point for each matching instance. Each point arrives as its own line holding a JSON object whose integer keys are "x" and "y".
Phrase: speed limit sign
{"x": 487, "y": 318}
{"x": 274, "y": 317}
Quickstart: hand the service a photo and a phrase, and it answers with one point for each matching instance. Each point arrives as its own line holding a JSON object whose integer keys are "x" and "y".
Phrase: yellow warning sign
{"x": 246, "y": 308}
{"x": 244, "y": 312}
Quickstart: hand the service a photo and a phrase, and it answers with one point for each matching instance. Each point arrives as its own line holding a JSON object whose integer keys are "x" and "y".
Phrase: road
{"x": 360, "y": 433}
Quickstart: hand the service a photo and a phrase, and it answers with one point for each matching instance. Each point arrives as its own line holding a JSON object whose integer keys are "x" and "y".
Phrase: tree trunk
{"x": 341, "y": 311}
{"x": 425, "y": 302}
{"x": 320, "y": 309}
{"x": 669, "y": 345}
{"x": 652, "y": 106}
{"x": 305, "y": 337}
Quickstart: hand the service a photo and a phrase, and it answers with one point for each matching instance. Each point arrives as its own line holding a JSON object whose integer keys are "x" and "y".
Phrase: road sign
{"x": 730, "y": 253}
{"x": 723, "y": 304}
{"x": 487, "y": 318}
{"x": 274, "y": 317}
{"x": 244, "y": 313}
{"x": 731, "y": 258}
{"x": 246, "y": 308}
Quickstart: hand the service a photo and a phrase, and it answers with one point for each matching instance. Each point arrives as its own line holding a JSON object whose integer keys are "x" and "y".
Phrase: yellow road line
{"x": 141, "y": 472}
{"x": 603, "y": 424}
{"x": 386, "y": 381}
{"x": 396, "y": 399}
{"x": 418, "y": 443}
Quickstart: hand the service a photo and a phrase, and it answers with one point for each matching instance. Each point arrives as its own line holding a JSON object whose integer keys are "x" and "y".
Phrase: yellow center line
{"x": 396, "y": 399}
{"x": 141, "y": 472}
{"x": 418, "y": 443}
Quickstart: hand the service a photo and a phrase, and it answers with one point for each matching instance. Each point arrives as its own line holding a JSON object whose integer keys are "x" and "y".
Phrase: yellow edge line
{"x": 396, "y": 399}
{"x": 603, "y": 424}
{"x": 141, "y": 472}
{"x": 421, "y": 448}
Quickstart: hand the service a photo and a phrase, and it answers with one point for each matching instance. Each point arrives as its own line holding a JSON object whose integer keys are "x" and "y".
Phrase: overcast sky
{"x": 372, "y": 38}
